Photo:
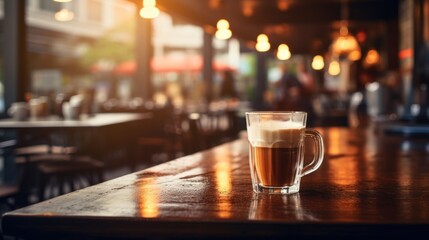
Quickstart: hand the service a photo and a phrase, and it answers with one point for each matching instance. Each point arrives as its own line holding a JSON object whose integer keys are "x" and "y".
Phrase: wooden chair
{"x": 14, "y": 194}
{"x": 192, "y": 135}
{"x": 160, "y": 136}
{"x": 56, "y": 170}
{"x": 59, "y": 172}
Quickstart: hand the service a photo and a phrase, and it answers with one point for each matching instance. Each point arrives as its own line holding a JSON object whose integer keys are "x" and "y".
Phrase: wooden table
{"x": 106, "y": 127}
{"x": 94, "y": 135}
{"x": 369, "y": 185}
{"x": 55, "y": 122}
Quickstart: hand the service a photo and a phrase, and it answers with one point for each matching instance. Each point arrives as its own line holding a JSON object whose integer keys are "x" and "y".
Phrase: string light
{"x": 282, "y": 5}
{"x": 283, "y": 52}
{"x": 149, "y": 9}
{"x": 334, "y": 68}
{"x": 223, "y": 32}
{"x": 372, "y": 57}
{"x": 262, "y": 43}
{"x": 346, "y": 44}
{"x": 354, "y": 55}
{"x": 64, "y": 15}
{"x": 318, "y": 63}
{"x": 248, "y": 7}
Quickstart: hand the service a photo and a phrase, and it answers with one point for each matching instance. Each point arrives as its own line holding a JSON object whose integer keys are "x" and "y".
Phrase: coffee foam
{"x": 275, "y": 134}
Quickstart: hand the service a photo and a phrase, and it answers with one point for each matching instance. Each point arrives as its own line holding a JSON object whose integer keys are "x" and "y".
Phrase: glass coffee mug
{"x": 276, "y": 150}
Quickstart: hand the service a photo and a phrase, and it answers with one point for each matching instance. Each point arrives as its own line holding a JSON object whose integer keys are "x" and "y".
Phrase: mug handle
{"x": 318, "y": 154}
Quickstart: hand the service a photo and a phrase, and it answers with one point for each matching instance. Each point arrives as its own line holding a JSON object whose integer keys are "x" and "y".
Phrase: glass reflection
{"x": 271, "y": 207}
{"x": 344, "y": 171}
{"x": 334, "y": 140}
{"x": 148, "y": 196}
{"x": 223, "y": 187}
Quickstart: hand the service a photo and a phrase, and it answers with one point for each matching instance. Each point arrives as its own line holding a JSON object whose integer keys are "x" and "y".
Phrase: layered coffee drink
{"x": 276, "y": 152}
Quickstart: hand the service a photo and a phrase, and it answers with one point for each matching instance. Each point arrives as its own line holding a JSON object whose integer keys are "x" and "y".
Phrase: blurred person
{"x": 305, "y": 78}
{"x": 292, "y": 96}
{"x": 227, "y": 87}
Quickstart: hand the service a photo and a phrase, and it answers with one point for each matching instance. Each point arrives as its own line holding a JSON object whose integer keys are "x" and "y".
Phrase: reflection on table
{"x": 369, "y": 185}
{"x": 67, "y": 151}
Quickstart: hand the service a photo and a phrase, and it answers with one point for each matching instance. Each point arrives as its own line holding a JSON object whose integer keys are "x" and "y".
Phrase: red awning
{"x": 171, "y": 64}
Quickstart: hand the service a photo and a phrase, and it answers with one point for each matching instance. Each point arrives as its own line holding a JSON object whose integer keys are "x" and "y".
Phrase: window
{"x": 94, "y": 10}
{"x": 49, "y": 5}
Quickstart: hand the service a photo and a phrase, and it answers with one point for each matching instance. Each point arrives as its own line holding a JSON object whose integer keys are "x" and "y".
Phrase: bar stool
{"x": 14, "y": 194}
{"x": 54, "y": 167}
{"x": 56, "y": 172}
{"x": 160, "y": 136}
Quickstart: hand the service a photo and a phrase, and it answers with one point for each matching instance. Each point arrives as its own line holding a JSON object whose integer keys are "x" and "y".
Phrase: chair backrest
{"x": 192, "y": 133}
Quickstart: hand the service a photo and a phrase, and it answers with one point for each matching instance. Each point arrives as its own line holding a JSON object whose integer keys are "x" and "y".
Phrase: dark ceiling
{"x": 307, "y": 26}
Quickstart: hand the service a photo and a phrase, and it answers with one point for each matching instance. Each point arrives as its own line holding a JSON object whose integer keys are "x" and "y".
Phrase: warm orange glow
{"x": 223, "y": 186}
{"x": 406, "y": 53}
{"x": 148, "y": 198}
{"x": 372, "y": 57}
{"x": 282, "y": 5}
{"x": 248, "y": 7}
{"x": 344, "y": 171}
{"x": 214, "y": 4}
{"x": 335, "y": 143}
{"x": 223, "y": 178}
{"x": 345, "y": 44}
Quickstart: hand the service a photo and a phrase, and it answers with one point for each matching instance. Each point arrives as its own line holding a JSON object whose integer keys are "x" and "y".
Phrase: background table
{"x": 95, "y": 135}
{"x": 370, "y": 185}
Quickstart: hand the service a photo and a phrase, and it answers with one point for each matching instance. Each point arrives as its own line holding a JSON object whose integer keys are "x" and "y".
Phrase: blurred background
{"x": 108, "y": 47}
{"x": 196, "y": 66}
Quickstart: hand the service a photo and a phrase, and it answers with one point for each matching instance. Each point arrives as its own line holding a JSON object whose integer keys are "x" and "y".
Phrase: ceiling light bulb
{"x": 223, "y": 34}
{"x": 354, "y": 55}
{"x": 149, "y": 9}
{"x": 149, "y": 3}
{"x": 262, "y": 38}
{"x": 318, "y": 63}
{"x": 372, "y": 57}
{"x": 334, "y": 68}
{"x": 64, "y": 15}
{"x": 263, "y": 46}
{"x": 283, "y": 52}
{"x": 222, "y": 24}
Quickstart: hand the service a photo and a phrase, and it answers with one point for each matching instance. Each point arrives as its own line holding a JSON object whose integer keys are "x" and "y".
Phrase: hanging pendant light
{"x": 149, "y": 9}
{"x": 223, "y": 32}
{"x": 346, "y": 44}
{"x": 64, "y": 15}
{"x": 334, "y": 68}
{"x": 262, "y": 43}
{"x": 372, "y": 58}
{"x": 318, "y": 63}
{"x": 283, "y": 52}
